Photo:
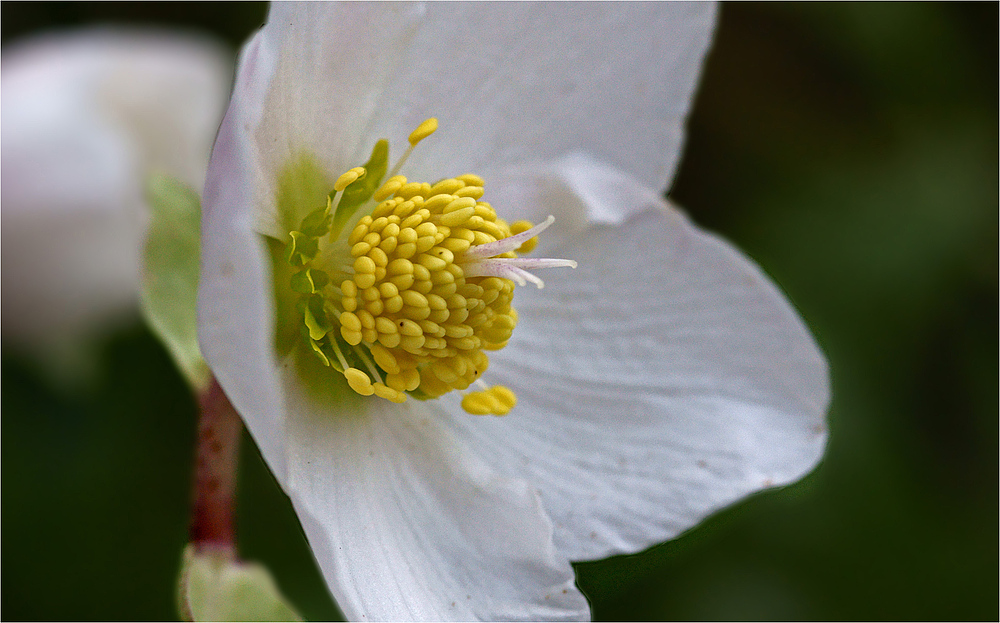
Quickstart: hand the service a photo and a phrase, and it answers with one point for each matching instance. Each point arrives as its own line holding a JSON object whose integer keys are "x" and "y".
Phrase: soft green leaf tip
{"x": 214, "y": 586}
{"x": 171, "y": 265}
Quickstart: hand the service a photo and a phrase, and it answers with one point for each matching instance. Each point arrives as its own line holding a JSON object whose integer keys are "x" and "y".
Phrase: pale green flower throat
{"x": 404, "y": 286}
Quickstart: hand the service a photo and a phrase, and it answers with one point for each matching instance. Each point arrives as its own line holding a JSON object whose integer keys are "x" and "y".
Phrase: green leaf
{"x": 358, "y": 193}
{"x": 169, "y": 290}
{"x": 214, "y": 586}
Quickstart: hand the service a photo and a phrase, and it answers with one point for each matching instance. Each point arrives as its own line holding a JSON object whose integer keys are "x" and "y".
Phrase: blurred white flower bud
{"x": 87, "y": 117}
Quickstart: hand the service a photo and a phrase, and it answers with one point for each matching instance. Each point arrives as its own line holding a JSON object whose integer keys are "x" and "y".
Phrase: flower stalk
{"x": 216, "y": 458}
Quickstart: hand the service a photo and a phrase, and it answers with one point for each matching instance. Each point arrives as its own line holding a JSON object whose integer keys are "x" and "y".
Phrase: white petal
{"x": 511, "y": 83}
{"x": 86, "y": 117}
{"x": 311, "y": 84}
{"x": 528, "y": 82}
{"x": 664, "y": 378}
{"x": 408, "y": 525}
{"x": 235, "y": 293}
{"x": 577, "y": 189}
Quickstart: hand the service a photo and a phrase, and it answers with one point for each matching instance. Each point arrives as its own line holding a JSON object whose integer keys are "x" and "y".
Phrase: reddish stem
{"x": 216, "y": 458}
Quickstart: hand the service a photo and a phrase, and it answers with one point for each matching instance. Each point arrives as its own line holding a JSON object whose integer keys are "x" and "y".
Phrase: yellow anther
{"x": 350, "y": 321}
{"x": 520, "y": 226}
{"x": 390, "y": 394}
{"x": 410, "y": 191}
{"x": 504, "y": 395}
{"x": 423, "y": 130}
{"x": 387, "y": 290}
{"x": 433, "y": 264}
{"x": 359, "y": 381}
{"x": 367, "y": 320}
{"x": 390, "y": 340}
{"x": 364, "y": 280}
{"x": 471, "y": 191}
{"x": 409, "y": 327}
{"x": 379, "y": 256}
{"x": 414, "y": 299}
{"x": 399, "y": 267}
{"x": 364, "y": 264}
{"x": 412, "y": 343}
{"x": 436, "y": 302}
{"x": 459, "y": 204}
{"x": 458, "y": 217}
{"x": 416, "y": 313}
{"x": 385, "y": 359}
{"x": 477, "y": 403}
{"x": 351, "y": 337}
{"x": 389, "y": 187}
{"x": 360, "y": 249}
{"x": 425, "y": 242}
{"x": 406, "y": 380}
{"x": 348, "y": 178}
{"x": 438, "y": 201}
{"x": 402, "y": 282}
{"x": 385, "y": 326}
{"x": 394, "y": 304}
{"x": 471, "y": 179}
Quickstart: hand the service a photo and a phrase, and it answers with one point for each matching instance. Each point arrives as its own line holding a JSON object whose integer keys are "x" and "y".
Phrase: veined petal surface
{"x": 527, "y": 82}
{"x": 514, "y": 82}
{"x": 409, "y": 525}
{"x": 664, "y": 378}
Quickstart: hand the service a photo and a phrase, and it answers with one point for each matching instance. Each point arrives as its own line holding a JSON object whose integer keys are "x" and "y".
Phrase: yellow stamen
{"x": 423, "y": 130}
{"x": 359, "y": 381}
{"x": 348, "y": 178}
{"x": 417, "y": 288}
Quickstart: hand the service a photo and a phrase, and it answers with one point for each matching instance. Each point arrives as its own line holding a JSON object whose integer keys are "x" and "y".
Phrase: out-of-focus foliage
{"x": 852, "y": 150}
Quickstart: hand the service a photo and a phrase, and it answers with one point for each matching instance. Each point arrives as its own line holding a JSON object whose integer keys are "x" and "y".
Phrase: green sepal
{"x": 315, "y": 317}
{"x": 309, "y": 281}
{"x": 362, "y": 189}
{"x": 317, "y": 223}
{"x": 317, "y": 349}
{"x": 302, "y": 248}
{"x": 171, "y": 267}
{"x": 215, "y": 586}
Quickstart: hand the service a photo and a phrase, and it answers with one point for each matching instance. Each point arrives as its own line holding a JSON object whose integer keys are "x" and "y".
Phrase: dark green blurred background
{"x": 851, "y": 149}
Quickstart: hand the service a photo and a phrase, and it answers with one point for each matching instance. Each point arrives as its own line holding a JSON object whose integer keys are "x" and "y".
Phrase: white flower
{"x": 88, "y": 116}
{"x": 662, "y": 379}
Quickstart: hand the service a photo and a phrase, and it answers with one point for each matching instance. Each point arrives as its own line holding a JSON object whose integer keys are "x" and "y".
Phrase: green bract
{"x": 169, "y": 288}
{"x": 215, "y": 587}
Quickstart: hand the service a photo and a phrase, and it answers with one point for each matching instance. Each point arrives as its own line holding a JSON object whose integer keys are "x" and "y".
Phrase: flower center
{"x": 407, "y": 298}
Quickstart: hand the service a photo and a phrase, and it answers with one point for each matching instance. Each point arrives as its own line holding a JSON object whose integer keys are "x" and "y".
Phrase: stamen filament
{"x": 510, "y": 243}
{"x": 514, "y": 268}
{"x": 368, "y": 364}
{"x": 340, "y": 355}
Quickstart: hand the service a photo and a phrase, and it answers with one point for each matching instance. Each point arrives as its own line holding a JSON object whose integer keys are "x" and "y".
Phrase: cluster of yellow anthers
{"x": 428, "y": 289}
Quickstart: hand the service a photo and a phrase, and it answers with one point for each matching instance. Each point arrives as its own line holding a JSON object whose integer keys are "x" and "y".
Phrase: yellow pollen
{"x": 417, "y": 288}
